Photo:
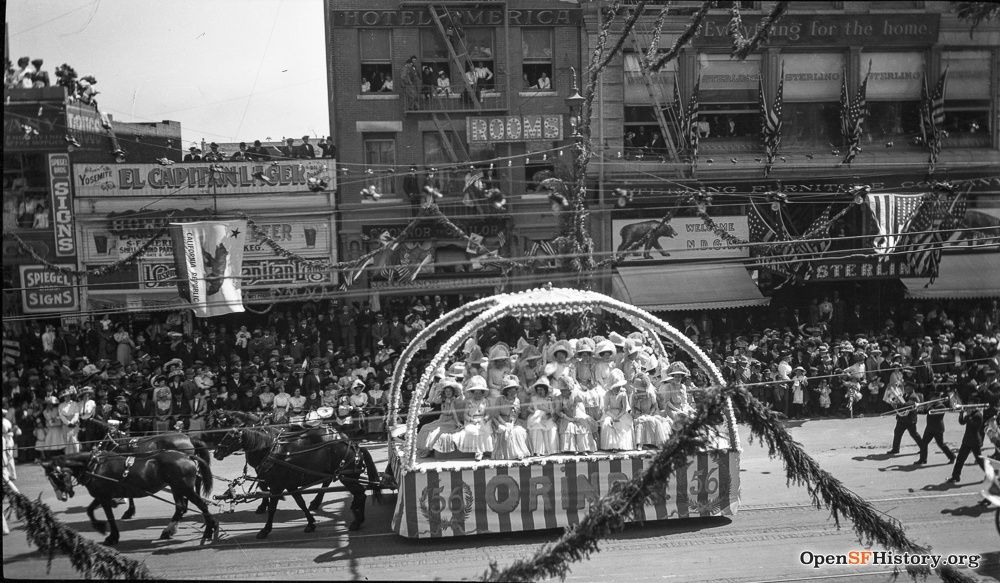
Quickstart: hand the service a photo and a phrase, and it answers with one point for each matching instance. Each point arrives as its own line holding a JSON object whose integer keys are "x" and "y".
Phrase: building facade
{"x": 814, "y": 46}
{"x": 481, "y": 105}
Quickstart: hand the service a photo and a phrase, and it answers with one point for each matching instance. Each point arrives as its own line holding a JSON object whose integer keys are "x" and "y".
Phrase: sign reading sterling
{"x": 514, "y": 128}
{"x": 196, "y": 178}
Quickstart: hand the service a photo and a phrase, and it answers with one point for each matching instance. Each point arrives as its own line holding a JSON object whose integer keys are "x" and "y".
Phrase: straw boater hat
{"x": 605, "y": 346}
{"x": 617, "y": 339}
{"x": 510, "y": 381}
{"x": 585, "y": 346}
{"x": 68, "y": 392}
{"x": 476, "y": 357}
{"x": 454, "y": 384}
{"x": 477, "y": 383}
{"x": 617, "y": 379}
{"x": 542, "y": 381}
{"x": 531, "y": 353}
{"x": 563, "y": 346}
{"x": 87, "y": 389}
{"x": 678, "y": 368}
{"x": 500, "y": 351}
{"x": 456, "y": 370}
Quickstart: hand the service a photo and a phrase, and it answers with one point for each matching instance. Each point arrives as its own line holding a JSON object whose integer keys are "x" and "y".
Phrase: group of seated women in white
{"x": 568, "y": 397}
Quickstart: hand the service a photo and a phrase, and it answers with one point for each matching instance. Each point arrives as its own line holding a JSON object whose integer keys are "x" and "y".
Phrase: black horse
{"x": 117, "y": 441}
{"x": 300, "y": 459}
{"x": 108, "y": 476}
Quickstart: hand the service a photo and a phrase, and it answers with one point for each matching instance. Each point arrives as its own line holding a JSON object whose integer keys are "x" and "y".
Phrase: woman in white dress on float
{"x": 616, "y": 425}
{"x": 576, "y": 428}
{"x": 510, "y": 439}
{"x": 476, "y": 434}
{"x": 543, "y": 434}
{"x": 436, "y": 436}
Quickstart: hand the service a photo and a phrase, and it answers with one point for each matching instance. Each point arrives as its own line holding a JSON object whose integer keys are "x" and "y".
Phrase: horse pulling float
{"x": 457, "y": 497}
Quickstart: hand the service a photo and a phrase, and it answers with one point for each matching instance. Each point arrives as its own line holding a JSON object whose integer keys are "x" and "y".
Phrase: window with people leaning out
{"x": 376, "y": 60}
{"x": 729, "y": 117}
{"x": 380, "y": 155}
{"x": 26, "y": 196}
{"x": 536, "y": 60}
{"x": 643, "y": 136}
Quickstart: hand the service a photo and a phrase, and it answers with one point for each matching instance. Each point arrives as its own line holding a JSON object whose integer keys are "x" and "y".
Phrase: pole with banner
{"x": 209, "y": 261}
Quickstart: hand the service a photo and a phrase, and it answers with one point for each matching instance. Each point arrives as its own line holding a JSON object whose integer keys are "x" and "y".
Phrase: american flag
{"x": 770, "y": 121}
{"x": 927, "y": 231}
{"x": 760, "y": 231}
{"x": 845, "y": 107}
{"x": 691, "y": 121}
{"x": 891, "y": 212}
{"x": 677, "y": 105}
{"x": 409, "y": 271}
{"x": 541, "y": 247}
{"x": 931, "y": 119}
{"x": 814, "y": 242}
{"x": 857, "y": 113}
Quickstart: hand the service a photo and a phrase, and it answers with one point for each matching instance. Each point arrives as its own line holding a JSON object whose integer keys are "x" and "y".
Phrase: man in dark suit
{"x": 313, "y": 381}
{"x": 975, "y": 430}
{"x": 934, "y": 430}
{"x": 906, "y": 421}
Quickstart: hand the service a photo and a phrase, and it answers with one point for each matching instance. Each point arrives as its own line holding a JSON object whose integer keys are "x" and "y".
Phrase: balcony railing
{"x": 454, "y": 97}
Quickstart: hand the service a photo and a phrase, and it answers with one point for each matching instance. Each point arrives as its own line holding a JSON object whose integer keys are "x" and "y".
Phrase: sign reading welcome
{"x": 514, "y": 128}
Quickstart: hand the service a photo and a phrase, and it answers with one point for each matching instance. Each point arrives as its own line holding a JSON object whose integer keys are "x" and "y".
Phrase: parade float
{"x": 457, "y": 497}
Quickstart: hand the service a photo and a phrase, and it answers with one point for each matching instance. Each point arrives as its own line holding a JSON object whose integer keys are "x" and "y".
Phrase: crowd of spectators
{"x": 166, "y": 372}
{"x": 261, "y": 152}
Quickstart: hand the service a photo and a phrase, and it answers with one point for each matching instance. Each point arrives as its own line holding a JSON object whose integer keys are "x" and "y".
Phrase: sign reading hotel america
{"x": 463, "y": 16}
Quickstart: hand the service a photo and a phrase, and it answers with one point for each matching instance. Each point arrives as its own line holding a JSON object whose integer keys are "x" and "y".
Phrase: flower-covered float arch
{"x": 459, "y": 497}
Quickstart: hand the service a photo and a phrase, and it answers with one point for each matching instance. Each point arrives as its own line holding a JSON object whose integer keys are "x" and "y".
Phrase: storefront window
{"x": 893, "y": 97}
{"x": 26, "y": 196}
{"x": 536, "y": 59}
{"x": 380, "y": 154}
{"x": 729, "y": 118}
{"x": 811, "y": 99}
{"x": 643, "y": 135}
{"x": 376, "y": 60}
{"x": 967, "y": 98}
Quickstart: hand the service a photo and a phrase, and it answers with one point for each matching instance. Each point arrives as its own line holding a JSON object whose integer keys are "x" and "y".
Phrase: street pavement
{"x": 762, "y": 542}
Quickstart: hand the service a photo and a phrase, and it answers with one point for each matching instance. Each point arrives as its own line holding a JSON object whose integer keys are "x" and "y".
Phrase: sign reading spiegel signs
{"x": 62, "y": 205}
{"x": 514, "y": 128}
{"x": 44, "y": 290}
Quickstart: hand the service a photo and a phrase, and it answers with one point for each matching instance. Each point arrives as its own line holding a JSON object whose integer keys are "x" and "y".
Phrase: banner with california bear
{"x": 209, "y": 261}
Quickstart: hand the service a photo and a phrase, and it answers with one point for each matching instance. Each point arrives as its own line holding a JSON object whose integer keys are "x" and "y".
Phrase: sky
{"x": 228, "y": 70}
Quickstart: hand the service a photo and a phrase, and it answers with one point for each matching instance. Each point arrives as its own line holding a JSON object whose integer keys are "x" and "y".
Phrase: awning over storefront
{"x": 687, "y": 287}
{"x": 973, "y": 275}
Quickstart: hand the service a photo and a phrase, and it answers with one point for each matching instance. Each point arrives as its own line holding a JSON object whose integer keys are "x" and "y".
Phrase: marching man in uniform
{"x": 975, "y": 429}
{"x": 906, "y": 420}
{"x": 934, "y": 430}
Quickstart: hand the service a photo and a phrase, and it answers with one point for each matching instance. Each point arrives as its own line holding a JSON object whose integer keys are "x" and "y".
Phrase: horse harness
{"x": 275, "y": 457}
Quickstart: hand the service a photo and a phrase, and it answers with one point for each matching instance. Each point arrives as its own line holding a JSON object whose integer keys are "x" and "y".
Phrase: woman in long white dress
{"x": 529, "y": 368}
{"x": 584, "y": 363}
{"x": 476, "y": 434}
{"x": 616, "y": 425}
{"x": 604, "y": 363}
{"x": 436, "y": 436}
{"x": 576, "y": 428}
{"x": 649, "y": 426}
{"x": 543, "y": 434}
{"x": 671, "y": 396}
{"x": 498, "y": 368}
{"x": 510, "y": 439}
